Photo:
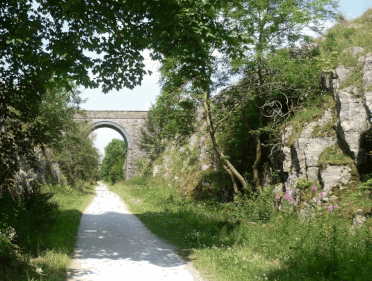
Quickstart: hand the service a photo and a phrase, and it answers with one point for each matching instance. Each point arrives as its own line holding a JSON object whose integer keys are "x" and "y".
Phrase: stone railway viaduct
{"x": 128, "y": 124}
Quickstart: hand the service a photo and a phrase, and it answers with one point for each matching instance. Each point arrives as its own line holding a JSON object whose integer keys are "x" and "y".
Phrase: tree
{"x": 255, "y": 28}
{"x": 56, "y": 111}
{"x": 271, "y": 25}
{"x": 291, "y": 78}
{"x": 112, "y": 164}
{"x": 76, "y": 155}
{"x": 44, "y": 44}
{"x": 172, "y": 117}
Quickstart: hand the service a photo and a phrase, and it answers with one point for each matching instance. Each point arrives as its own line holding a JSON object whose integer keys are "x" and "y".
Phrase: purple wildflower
{"x": 317, "y": 199}
{"x": 293, "y": 202}
{"x": 330, "y": 208}
{"x": 277, "y": 197}
{"x": 335, "y": 207}
{"x": 321, "y": 194}
{"x": 314, "y": 188}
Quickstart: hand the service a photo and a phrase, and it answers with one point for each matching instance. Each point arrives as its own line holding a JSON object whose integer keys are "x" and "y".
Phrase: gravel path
{"x": 114, "y": 245}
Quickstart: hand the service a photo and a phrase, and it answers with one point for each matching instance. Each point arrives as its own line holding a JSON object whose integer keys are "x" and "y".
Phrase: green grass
{"x": 313, "y": 110}
{"x": 334, "y": 156}
{"x": 327, "y": 130}
{"x": 343, "y": 36}
{"x": 250, "y": 239}
{"x": 355, "y": 79}
{"x": 47, "y": 245}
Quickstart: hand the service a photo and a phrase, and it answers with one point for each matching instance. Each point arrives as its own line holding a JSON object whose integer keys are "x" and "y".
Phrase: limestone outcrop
{"x": 367, "y": 71}
{"x": 356, "y": 50}
{"x": 341, "y": 75}
{"x": 301, "y": 159}
{"x": 358, "y": 219}
{"x": 334, "y": 176}
{"x": 354, "y": 111}
{"x": 25, "y": 179}
{"x": 368, "y": 103}
{"x": 47, "y": 169}
{"x": 352, "y": 122}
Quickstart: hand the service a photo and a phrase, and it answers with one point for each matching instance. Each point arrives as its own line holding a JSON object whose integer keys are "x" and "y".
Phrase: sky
{"x": 141, "y": 97}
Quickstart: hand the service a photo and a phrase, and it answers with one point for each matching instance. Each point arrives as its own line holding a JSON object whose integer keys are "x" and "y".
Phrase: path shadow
{"x": 120, "y": 236}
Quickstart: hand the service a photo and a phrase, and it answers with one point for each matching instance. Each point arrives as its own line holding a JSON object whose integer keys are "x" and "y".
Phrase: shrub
{"x": 10, "y": 254}
{"x": 256, "y": 207}
{"x": 138, "y": 180}
{"x": 30, "y": 212}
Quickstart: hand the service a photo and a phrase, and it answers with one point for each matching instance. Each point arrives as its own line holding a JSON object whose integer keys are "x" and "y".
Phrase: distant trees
{"x": 112, "y": 164}
{"x": 68, "y": 140}
{"x": 52, "y": 128}
{"x": 77, "y": 157}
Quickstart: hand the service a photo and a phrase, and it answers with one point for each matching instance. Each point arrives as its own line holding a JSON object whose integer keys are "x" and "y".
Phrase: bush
{"x": 136, "y": 181}
{"x": 9, "y": 251}
{"x": 10, "y": 256}
{"x": 260, "y": 207}
{"x": 26, "y": 215}
{"x": 255, "y": 207}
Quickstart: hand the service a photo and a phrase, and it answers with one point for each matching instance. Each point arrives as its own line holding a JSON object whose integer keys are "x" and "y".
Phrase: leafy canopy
{"x": 46, "y": 44}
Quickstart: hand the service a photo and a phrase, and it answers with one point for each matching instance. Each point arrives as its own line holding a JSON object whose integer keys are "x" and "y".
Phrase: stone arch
{"x": 116, "y": 127}
{"x": 117, "y": 120}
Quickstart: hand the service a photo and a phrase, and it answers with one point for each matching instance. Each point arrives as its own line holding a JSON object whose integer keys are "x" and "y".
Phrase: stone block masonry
{"x": 126, "y": 123}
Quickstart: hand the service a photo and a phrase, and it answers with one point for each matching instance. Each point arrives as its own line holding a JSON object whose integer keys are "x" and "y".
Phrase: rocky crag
{"x": 353, "y": 112}
{"x": 46, "y": 170}
{"x": 330, "y": 152}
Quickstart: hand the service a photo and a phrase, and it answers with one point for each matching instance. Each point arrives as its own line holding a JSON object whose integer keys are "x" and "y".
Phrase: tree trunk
{"x": 257, "y": 137}
{"x": 256, "y": 177}
{"x": 228, "y": 167}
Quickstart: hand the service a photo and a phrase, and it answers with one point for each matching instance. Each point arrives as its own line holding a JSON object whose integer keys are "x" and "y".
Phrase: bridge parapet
{"x": 112, "y": 114}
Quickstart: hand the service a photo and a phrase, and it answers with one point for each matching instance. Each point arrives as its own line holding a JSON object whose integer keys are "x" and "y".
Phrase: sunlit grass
{"x": 230, "y": 242}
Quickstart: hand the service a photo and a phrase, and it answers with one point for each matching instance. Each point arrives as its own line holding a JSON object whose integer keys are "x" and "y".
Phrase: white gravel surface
{"x": 113, "y": 244}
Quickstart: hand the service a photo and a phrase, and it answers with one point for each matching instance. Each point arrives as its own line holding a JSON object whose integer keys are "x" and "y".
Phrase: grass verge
{"x": 250, "y": 239}
{"x": 44, "y": 240}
